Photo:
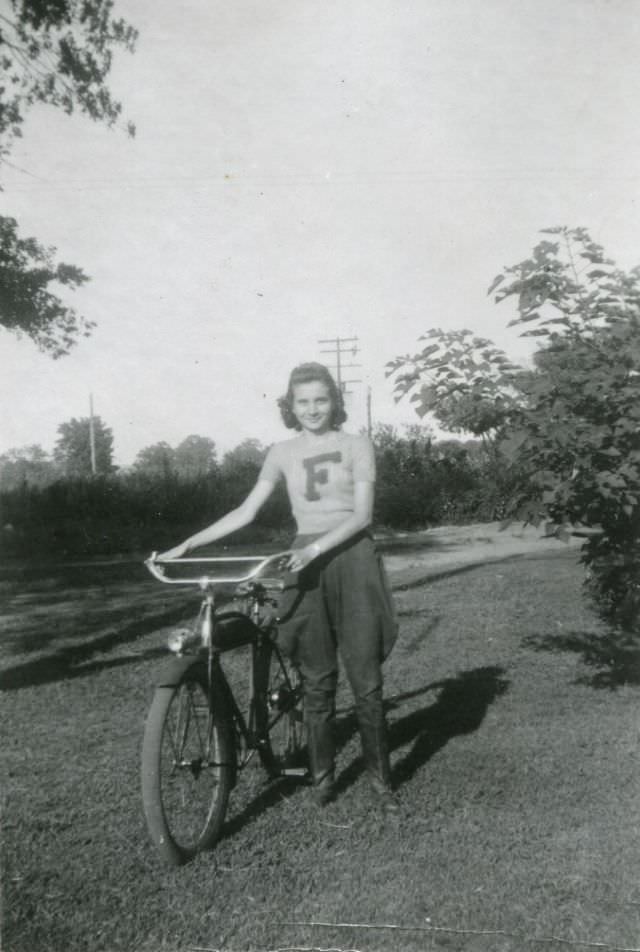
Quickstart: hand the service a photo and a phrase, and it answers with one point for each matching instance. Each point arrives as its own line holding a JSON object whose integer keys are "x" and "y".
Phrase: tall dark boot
{"x": 322, "y": 757}
{"x": 375, "y": 750}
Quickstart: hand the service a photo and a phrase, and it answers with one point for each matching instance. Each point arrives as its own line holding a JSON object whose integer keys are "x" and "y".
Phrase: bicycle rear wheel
{"x": 187, "y": 766}
{"x": 279, "y": 714}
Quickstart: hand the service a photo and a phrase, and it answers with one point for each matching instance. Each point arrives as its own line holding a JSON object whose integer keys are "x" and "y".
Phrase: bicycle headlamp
{"x": 182, "y": 639}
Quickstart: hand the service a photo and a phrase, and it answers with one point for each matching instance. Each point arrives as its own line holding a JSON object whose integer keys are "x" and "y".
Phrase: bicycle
{"x": 198, "y": 735}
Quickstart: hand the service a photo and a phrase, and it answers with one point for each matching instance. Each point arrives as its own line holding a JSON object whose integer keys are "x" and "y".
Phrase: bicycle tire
{"x": 279, "y": 712}
{"x": 188, "y": 766}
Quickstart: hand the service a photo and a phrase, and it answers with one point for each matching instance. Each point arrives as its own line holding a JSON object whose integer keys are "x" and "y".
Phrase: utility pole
{"x": 92, "y": 436}
{"x": 340, "y": 351}
{"x": 369, "y": 421}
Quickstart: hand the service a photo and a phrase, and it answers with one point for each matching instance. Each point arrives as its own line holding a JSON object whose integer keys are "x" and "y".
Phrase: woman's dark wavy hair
{"x": 306, "y": 373}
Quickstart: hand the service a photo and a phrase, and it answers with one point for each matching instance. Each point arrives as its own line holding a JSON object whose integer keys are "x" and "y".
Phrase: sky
{"x": 305, "y": 171}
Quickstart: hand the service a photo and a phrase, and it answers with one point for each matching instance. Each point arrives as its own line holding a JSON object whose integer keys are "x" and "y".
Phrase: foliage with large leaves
{"x": 578, "y": 430}
{"x": 572, "y": 423}
{"x": 464, "y": 381}
{"x": 469, "y": 386}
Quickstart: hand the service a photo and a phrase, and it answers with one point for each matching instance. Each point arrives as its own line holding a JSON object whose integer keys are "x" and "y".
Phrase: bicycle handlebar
{"x": 156, "y": 567}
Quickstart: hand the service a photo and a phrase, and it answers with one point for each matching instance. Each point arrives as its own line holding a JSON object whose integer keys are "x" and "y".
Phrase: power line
{"x": 92, "y": 437}
{"x": 342, "y": 346}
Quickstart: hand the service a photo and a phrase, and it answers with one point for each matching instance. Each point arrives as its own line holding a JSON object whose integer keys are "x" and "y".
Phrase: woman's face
{"x": 312, "y": 406}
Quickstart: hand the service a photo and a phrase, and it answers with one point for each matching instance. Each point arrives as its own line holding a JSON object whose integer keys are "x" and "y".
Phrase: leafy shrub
{"x": 565, "y": 435}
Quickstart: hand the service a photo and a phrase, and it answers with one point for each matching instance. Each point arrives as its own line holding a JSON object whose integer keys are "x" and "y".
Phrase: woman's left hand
{"x": 300, "y": 558}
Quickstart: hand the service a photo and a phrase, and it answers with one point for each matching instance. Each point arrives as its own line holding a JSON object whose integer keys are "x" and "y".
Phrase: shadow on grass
{"x": 416, "y": 641}
{"x": 346, "y": 726}
{"x": 36, "y": 629}
{"x": 616, "y": 656}
{"x": 458, "y": 570}
{"x": 273, "y": 792}
{"x": 459, "y": 709}
{"x": 69, "y": 662}
{"x": 67, "y": 574}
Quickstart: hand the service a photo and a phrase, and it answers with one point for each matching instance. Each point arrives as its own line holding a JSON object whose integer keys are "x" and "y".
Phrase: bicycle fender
{"x": 173, "y": 669}
{"x": 172, "y": 672}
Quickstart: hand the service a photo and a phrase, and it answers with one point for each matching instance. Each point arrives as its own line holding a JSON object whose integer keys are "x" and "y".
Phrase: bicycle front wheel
{"x": 279, "y": 715}
{"x": 187, "y": 767}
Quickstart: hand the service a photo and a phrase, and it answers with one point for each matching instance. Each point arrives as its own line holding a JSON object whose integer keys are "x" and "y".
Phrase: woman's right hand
{"x": 176, "y": 553}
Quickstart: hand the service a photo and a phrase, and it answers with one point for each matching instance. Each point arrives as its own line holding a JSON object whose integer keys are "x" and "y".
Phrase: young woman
{"x": 340, "y": 599}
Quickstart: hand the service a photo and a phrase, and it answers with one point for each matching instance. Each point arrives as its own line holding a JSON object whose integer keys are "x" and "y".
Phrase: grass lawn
{"x": 514, "y": 732}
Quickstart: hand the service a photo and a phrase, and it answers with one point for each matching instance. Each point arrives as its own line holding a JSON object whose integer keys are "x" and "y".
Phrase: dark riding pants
{"x": 341, "y": 603}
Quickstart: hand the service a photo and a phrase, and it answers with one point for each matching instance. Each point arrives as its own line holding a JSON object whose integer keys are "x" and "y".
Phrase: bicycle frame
{"x": 206, "y": 635}
{"x": 207, "y": 719}
{"x": 249, "y": 733}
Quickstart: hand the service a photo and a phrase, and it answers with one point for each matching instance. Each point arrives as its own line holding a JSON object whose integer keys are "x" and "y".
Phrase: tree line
{"x": 170, "y": 492}
{"x": 84, "y": 449}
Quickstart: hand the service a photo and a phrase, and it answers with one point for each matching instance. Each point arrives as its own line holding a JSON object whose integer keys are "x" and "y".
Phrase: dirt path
{"x": 441, "y": 551}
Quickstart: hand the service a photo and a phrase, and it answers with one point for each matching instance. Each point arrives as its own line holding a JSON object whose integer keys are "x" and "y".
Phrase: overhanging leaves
{"x": 56, "y": 52}
{"x": 29, "y": 302}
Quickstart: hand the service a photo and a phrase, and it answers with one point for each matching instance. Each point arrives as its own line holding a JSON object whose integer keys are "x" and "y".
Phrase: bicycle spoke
{"x": 188, "y": 784}
{"x": 279, "y": 707}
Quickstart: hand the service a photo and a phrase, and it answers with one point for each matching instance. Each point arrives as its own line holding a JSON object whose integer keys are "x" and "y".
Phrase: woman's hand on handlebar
{"x": 300, "y": 558}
